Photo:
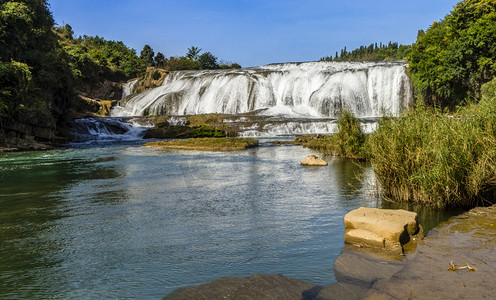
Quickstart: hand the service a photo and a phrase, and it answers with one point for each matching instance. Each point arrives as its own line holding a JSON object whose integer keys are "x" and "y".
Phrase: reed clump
{"x": 349, "y": 141}
{"x": 438, "y": 159}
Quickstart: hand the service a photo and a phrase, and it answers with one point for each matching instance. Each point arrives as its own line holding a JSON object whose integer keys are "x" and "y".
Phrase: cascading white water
{"x": 104, "y": 130}
{"x": 296, "y": 90}
{"x": 128, "y": 87}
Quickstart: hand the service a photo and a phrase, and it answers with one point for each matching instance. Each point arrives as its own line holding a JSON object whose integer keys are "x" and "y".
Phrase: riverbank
{"x": 455, "y": 260}
{"x": 467, "y": 241}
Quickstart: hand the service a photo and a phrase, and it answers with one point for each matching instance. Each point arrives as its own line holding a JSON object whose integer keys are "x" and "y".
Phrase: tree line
{"x": 373, "y": 52}
{"x": 193, "y": 60}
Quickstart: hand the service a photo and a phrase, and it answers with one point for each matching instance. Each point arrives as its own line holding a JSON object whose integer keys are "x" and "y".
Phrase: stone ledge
{"x": 358, "y": 236}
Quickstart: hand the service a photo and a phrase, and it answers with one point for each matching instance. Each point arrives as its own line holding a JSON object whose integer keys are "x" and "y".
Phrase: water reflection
{"x": 29, "y": 210}
{"x": 428, "y": 217}
{"x": 136, "y": 222}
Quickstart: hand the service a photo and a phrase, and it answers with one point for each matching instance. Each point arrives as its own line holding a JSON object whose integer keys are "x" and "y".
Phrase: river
{"x": 126, "y": 221}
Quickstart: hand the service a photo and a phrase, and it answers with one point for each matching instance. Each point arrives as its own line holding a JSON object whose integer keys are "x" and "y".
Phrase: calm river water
{"x": 126, "y": 221}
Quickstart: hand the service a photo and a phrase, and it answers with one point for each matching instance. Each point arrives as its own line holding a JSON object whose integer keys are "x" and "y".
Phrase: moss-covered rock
{"x": 152, "y": 78}
{"x": 207, "y": 144}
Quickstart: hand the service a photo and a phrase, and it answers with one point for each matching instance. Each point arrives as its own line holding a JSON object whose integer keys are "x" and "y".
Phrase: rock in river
{"x": 313, "y": 160}
{"x": 387, "y": 229}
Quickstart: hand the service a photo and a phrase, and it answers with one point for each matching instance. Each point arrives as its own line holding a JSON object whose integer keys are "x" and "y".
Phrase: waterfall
{"x": 105, "y": 130}
{"x": 127, "y": 88}
{"x": 292, "y": 90}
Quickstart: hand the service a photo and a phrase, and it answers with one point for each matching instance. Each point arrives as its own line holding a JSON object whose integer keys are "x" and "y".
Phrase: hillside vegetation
{"x": 454, "y": 57}
{"x": 48, "y": 76}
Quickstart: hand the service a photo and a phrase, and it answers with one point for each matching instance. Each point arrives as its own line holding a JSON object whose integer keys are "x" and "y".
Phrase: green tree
{"x": 454, "y": 57}
{"x": 180, "y": 63}
{"x": 207, "y": 61}
{"x": 193, "y": 53}
{"x": 159, "y": 60}
{"x": 147, "y": 54}
{"x": 36, "y": 78}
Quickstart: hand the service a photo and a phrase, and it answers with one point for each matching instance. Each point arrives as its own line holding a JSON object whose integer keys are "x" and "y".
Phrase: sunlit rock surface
{"x": 380, "y": 228}
{"x": 313, "y": 160}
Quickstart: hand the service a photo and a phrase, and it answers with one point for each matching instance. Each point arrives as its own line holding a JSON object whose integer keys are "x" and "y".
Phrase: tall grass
{"x": 348, "y": 141}
{"x": 442, "y": 160}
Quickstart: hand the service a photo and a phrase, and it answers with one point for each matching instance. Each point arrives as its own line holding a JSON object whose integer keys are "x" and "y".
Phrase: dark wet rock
{"x": 257, "y": 286}
{"x": 466, "y": 239}
{"x": 363, "y": 267}
{"x": 343, "y": 291}
{"x": 32, "y": 134}
{"x": 357, "y": 270}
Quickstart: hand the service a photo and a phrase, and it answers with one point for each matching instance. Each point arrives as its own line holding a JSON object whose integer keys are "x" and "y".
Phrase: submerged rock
{"x": 313, "y": 160}
{"x": 387, "y": 229}
{"x": 257, "y": 286}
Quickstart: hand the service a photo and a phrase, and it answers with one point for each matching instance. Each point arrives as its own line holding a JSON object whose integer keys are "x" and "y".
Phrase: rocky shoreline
{"x": 454, "y": 261}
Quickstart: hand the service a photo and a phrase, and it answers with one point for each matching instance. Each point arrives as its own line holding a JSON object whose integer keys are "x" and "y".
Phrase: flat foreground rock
{"x": 466, "y": 240}
{"x": 313, "y": 160}
{"x": 380, "y": 228}
{"x": 257, "y": 286}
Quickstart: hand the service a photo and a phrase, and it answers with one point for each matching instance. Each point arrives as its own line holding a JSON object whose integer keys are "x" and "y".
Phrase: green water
{"x": 128, "y": 222}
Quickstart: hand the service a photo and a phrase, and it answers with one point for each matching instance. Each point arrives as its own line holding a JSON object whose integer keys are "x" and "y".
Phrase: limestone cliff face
{"x": 104, "y": 90}
{"x": 37, "y": 133}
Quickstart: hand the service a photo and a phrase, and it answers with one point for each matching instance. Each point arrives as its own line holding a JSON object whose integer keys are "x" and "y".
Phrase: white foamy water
{"x": 128, "y": 87}
{"x": 310, "y": 90}
{"x": 104, "y": 130}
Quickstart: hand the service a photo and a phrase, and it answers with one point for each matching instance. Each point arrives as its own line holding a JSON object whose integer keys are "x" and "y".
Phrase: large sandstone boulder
{"x": 387, "y": 229}
{"x": 313, "y": 160}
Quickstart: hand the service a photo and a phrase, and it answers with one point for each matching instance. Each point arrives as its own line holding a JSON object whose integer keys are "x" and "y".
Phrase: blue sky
{"x": 251, "y": 32}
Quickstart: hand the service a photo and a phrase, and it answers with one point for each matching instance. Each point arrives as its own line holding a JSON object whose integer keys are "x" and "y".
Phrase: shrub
{"x": 156, "y": 75}
{"x": 349, "y": 141}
